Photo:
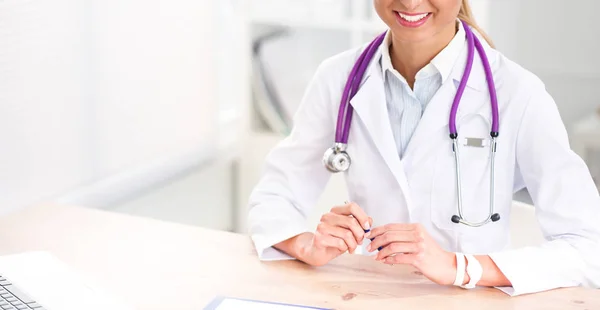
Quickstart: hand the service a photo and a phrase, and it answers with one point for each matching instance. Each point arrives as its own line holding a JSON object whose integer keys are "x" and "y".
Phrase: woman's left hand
{"x": 410, "y": 244}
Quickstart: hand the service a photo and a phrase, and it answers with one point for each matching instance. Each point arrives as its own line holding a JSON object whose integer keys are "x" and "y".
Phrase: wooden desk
{"x": 157, "y": 265}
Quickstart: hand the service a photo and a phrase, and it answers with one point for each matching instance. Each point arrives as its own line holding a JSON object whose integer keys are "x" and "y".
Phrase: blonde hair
{"x": 466, "y": 14}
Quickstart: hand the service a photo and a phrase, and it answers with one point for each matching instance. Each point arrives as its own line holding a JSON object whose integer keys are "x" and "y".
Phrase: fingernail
{"x": 367, "y": 226}
{"x": 367, "y": 234}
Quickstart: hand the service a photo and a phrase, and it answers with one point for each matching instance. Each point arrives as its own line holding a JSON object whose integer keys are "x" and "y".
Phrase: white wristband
{"x": 474, "y": 270}
{"x": 460, "y": 269}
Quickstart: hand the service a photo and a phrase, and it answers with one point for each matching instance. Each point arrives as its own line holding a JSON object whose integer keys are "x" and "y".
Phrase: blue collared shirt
{"x": 405, "y": 105}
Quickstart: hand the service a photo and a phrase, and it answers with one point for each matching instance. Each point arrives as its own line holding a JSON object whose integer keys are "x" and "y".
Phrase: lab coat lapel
{"x": 369, "y": 104}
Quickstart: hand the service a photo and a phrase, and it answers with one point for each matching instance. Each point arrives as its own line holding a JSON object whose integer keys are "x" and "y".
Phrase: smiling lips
{"x": 412, "y": 20}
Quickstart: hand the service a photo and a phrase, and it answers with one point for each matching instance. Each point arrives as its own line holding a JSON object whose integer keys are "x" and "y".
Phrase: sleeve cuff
{"x": 263, "y": 244}
{"x": 507, "y": 265}
{"x": 273, "y": 254}
{"x": 528, "y": 269}
{"x": 507, "y": 290}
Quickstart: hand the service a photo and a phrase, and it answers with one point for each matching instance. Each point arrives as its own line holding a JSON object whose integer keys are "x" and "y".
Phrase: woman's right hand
{"x": 341, "y": 229}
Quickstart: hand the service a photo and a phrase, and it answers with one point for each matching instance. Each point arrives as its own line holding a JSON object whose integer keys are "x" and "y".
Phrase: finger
{"x": 401, "y": 259}
{"x": 362, "y": 226}
{"x": 356, "y": 211}
{"x": 345, "y": 235}
{"x": 329, "y": 241}
{"x": 376, "y": 231}
{"x": 394, "y": 236}
{"x": 342, "y": 234}
{"x": 346, "y": 222}
{"x": 397, "y": 248}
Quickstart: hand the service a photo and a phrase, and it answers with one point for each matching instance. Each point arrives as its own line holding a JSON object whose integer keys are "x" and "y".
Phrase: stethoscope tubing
{"x": 352, "y": 85}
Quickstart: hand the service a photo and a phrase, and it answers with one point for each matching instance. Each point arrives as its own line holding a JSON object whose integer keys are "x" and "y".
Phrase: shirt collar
{"x": 442, "y": 63}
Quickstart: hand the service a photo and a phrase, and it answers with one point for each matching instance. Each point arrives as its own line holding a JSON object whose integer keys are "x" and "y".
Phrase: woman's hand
{"x": 340, "y": 230}
{"x": 410, "y": 244}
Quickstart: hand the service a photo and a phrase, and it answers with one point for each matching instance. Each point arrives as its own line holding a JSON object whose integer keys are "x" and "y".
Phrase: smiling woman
{"x": 426, "y": 90}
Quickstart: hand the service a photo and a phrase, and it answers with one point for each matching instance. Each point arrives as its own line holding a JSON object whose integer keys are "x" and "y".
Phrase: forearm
{"x": 492, "y": 276}
{"x": 295, "y": 246}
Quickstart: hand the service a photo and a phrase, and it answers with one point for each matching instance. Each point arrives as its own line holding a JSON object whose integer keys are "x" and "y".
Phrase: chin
{"x": 411, "y": 36}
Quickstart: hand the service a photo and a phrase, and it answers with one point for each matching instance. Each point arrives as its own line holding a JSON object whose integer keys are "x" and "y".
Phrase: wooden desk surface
{"x": 157, "y": 265}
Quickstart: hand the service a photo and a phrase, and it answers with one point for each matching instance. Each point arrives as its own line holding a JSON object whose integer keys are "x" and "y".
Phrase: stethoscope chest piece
{"x": 336, "y": 159}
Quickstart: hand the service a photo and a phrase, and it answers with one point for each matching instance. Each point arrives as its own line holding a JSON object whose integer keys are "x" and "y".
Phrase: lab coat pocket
{"x": 474, "y": 164}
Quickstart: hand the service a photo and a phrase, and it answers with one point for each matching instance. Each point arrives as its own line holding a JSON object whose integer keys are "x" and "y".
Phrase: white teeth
{"x": 413, "y": 18}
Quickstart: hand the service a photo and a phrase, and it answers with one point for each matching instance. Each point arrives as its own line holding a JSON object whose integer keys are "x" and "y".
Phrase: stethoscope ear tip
{"x": 455, "y": 219}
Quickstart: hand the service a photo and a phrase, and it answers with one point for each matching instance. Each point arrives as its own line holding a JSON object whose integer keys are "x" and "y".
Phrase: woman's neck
{"x": 408, "y": 58}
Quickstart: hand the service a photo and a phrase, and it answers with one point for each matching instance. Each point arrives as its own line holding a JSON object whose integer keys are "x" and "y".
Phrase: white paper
{"x": 236, "y": 304}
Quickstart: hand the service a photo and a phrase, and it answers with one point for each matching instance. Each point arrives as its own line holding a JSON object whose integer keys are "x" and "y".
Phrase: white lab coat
{"x": 533, "y": 152}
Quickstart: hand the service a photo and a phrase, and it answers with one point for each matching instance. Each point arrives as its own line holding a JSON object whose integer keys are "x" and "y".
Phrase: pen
{"x": 366, "y": 230}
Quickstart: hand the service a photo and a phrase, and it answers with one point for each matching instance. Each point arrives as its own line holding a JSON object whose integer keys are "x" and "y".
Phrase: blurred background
{"x": 166, "y": 109}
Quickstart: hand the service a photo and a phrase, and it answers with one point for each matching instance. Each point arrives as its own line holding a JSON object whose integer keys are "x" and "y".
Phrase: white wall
{"x": 205, "y": 195}
{"x": 100, "y": 99}
{"x": 44, "y": 127}
{"x": 561, "y": 49}
{"x": 232, "y": 37}
{"x": 153, "y": 79}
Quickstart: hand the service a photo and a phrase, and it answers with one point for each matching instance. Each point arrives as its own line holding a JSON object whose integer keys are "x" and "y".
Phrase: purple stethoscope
{"x": 336, "y": 159}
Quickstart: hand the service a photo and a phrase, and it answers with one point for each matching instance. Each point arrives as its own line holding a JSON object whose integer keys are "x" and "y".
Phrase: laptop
{"x": 40, "y": 281}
